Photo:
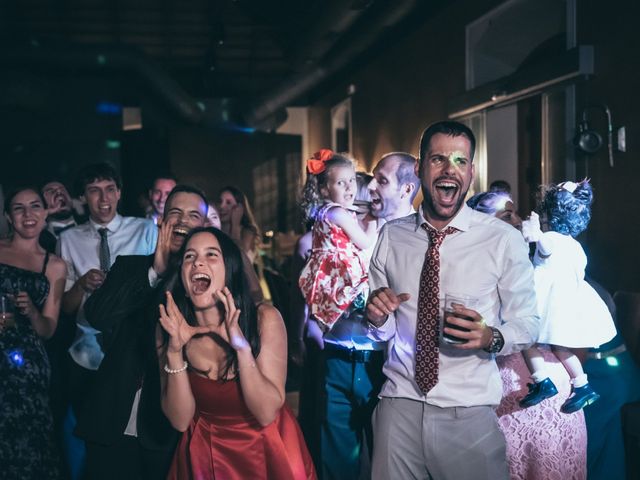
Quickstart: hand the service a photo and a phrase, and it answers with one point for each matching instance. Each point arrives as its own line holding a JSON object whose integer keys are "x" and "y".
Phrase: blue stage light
{"x": 16, "y": 358}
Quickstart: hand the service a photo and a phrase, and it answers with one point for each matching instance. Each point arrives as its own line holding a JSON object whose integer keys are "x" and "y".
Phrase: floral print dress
{"x": 26, "y": 424}
{"x": 336, "y": 274}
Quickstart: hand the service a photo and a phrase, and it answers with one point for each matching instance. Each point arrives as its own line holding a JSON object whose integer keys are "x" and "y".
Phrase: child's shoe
{"x": 538, "y": 392}
{"x": 581, "y": 397}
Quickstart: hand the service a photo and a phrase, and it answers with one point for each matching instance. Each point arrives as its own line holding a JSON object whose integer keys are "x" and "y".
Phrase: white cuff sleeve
{"x": 153, "y": 277}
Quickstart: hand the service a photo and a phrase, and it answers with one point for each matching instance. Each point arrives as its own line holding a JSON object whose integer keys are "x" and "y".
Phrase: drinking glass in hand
{"x": 461, "y": 300}
{"x": 7, "y": 318}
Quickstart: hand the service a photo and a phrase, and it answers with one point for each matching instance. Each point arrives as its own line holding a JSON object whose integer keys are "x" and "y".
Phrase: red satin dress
{"x": 225, "y": 441}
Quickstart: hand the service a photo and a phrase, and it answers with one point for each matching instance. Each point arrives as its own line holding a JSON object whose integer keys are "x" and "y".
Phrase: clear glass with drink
{"x": 7, "y": 311}
{"x": 462, "y": 300}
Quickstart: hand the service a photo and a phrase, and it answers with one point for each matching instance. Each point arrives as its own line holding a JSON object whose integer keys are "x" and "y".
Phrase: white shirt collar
{"x": 112, "y": 226}
{"x": 461, "y": 221}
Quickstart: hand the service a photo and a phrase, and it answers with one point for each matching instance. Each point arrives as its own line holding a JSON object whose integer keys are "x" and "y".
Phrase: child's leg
{"x": 571, "y": 364}
{"x": 536, "y": 364}
{"x": 542, "y": 387}
{"x": 582, "y": 393}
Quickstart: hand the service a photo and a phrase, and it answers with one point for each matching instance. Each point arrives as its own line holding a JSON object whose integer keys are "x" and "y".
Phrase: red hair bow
{"x": 315, "y": 164}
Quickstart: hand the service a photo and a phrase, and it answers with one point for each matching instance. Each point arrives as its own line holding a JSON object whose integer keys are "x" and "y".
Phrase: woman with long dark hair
{"x": 224, "y": 371}
{"x": 31, "y": 284}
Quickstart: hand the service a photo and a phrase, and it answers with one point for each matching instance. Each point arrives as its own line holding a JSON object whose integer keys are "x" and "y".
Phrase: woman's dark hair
{"x": 236, "y": 282}
{"x": 311, "y": 199}
{"x": 15, "y": 191}
{"x": 247, "y": 221}
{"x": 489, "y": 202}
{"x": 567, "y": 212}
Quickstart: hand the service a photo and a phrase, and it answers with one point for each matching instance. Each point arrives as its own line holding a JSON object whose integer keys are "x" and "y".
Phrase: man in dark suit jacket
{"x": 126, "y": 433}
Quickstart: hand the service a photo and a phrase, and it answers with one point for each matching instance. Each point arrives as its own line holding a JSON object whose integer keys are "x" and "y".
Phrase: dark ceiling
{"x": 261, "y": 54}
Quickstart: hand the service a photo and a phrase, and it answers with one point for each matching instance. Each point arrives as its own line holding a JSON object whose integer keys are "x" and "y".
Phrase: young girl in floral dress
{"x": 335, "y": 276}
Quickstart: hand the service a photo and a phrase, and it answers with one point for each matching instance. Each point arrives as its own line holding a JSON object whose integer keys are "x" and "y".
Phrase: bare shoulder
{"x": 273, "y": 334}
{"x": 57, "y": 266}
{"x": 338, "y": 215}
{"x": 268, "y": 314}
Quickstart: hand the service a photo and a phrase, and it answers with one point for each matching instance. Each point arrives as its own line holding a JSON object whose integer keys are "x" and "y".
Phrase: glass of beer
{"x": 465, "y": 301}
{"x": 7, "y": 318}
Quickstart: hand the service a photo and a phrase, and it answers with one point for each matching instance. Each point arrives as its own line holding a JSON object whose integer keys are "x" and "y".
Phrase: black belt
{"x": 350, "y": 354}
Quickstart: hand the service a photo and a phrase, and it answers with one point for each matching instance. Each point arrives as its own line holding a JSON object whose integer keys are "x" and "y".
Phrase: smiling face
{"x": 446, "y": 173}
{"x": 213, "y": 218}
{"x": 203, "y": 270}
{"x": 27, "y": 214}
{"x": 384, "y": 189}
{"x": 158, "y": 194}
{"x": 227, "y": 202}
{"x": 102, "y": 197}
{"x": 57, "y": 198}
{"x": 341, "y": 186}
{"x": 185, "y": 212}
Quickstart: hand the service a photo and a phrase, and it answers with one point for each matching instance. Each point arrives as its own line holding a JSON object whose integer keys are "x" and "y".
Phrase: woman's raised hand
{"x": 237, "y": 211}
{"x": 174, "y": 323}
{"x": 231, "y": 316}
{"x": 163, "y": 247}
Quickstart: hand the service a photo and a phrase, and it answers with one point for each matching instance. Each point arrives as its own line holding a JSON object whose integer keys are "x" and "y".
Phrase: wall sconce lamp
{"x": 590, "y": 141}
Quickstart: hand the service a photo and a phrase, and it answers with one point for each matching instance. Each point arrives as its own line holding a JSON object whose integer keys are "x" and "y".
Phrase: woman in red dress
{"x": 224, "y": 372}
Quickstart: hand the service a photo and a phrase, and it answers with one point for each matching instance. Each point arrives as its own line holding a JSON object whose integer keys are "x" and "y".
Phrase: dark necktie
{"x": 428, "y": 326}
{"x": 105, "y": 255}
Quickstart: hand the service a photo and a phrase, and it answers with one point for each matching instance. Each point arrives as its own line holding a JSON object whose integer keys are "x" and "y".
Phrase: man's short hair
{"x": 165, "y": 175}
{"x": 450, "y": 128}
{"x": 96, "y": 173}
{"x": 185, "y": 189}
{"x": 46, "y": 182}
{"x": 405, "y": 173}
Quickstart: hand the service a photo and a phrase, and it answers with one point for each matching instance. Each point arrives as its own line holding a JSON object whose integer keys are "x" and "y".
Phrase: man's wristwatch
{"x": 497, "y": 341}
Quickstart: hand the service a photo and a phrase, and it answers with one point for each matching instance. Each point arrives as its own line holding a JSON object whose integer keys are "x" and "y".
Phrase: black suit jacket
{"x": 125, "y": 310}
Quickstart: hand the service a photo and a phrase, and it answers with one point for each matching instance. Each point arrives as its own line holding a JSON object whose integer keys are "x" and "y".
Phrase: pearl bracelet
{"x": 175, "y": 370}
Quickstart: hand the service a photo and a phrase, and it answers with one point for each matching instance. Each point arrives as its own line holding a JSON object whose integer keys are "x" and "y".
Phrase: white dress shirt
{"x": 351, "y": 331}
{"x": 486, "y": 259}
{"x": 79, "y": 247}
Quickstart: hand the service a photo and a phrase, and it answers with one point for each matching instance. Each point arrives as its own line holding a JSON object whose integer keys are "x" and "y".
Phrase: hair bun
{"x": 584, "y": 192}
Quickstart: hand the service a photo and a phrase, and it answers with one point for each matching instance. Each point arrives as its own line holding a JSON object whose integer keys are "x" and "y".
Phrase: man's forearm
{"x": 72, "y": 298}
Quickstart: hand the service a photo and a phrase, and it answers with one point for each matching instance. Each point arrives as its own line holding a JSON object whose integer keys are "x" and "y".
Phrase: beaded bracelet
{"x": 175, "y": 370}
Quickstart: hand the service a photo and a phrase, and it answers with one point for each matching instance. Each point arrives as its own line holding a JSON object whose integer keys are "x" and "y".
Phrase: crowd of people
{"x": 147, "y": 348}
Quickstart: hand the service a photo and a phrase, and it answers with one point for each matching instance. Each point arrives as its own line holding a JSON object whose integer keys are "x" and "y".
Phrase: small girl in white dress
{"x": 572, "y": 314}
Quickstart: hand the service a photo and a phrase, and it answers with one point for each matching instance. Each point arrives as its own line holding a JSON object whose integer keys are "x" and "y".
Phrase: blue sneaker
{"x": 538, "y": 392}
{"x": 581, "y": 397}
